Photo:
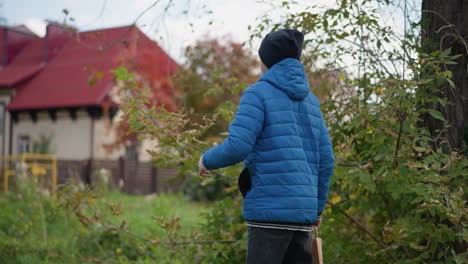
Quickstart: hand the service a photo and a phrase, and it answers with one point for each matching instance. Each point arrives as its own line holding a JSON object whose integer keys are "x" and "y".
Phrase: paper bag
{"x": 317, "y": 256}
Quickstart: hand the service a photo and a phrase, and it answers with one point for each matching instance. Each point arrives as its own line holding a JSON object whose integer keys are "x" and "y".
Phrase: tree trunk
{"x": 445, "y": 25}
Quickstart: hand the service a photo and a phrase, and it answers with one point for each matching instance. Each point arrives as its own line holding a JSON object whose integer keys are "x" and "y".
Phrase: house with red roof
{"x": 60, "y": 87}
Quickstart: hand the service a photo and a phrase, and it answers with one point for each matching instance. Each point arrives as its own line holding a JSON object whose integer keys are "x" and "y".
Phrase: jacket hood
{"x": 288, "y": 75}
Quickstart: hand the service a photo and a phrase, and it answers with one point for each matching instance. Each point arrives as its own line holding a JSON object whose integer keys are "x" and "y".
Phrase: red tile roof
{"x": 14, "y": 41}
{"x": 78, "y": 75}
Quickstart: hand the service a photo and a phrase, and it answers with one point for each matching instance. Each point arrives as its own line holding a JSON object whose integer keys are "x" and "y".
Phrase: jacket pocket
{"x": 244, "y": 182}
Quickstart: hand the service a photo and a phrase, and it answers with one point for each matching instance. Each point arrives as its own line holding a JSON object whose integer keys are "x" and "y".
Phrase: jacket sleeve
{"x": 243, "y": 133}
{"x": 326, "y": 165}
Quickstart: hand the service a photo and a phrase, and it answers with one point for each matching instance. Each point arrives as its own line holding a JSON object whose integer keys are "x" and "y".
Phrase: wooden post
{"x": 154, "y": 180}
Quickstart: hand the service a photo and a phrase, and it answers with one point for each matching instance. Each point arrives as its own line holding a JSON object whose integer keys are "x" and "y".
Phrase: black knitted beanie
{"x": 279, "y": 45}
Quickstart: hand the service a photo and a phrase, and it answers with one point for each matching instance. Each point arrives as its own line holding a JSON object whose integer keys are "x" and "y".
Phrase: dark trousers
{"x": 270, "y": 246}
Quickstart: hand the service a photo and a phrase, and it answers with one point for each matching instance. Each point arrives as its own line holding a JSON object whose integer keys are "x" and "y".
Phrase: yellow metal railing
{"x": 39, "y": 165}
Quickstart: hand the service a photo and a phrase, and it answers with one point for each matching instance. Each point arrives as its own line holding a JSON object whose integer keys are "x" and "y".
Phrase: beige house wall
{"x": 70, "y": 139}
{"x": 104, "y": 134}
{"x": 78, "y": 139}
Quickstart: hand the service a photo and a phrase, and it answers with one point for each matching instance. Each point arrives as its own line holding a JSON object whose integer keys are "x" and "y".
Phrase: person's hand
{"x": 317, "y": 223}
{"x": 202, "y": 170}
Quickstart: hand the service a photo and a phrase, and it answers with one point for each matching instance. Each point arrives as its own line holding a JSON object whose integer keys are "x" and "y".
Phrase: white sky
{"x": 230, "y": 18}
{"x": 175, "y": 30}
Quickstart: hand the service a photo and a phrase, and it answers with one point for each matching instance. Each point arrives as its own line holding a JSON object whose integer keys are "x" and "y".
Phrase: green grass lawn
{"x": 138, "y": 211}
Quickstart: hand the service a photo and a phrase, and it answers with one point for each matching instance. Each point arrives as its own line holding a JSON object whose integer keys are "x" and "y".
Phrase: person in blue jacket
{"x": 280, "y": 134}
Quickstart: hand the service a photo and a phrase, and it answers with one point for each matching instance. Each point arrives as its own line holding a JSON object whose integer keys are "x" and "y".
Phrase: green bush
{"x": 396, "y": 196}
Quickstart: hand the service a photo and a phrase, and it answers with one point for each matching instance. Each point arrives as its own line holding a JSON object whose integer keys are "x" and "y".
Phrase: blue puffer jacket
{"x": 280, "y": 132}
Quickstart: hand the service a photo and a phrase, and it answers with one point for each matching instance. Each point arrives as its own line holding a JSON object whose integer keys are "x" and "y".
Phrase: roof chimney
{"x": 45, "y": 55}
{"x": 4, "y": 58}
{"x": 54, "y": 40}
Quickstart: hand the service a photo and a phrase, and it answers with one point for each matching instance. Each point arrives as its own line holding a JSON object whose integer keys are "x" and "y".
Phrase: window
{"x": 131, "y": 150}
{"x": 24, "y": 143}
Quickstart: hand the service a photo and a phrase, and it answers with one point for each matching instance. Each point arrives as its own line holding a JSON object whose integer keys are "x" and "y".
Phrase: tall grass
{"x": 34, "y": 228}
